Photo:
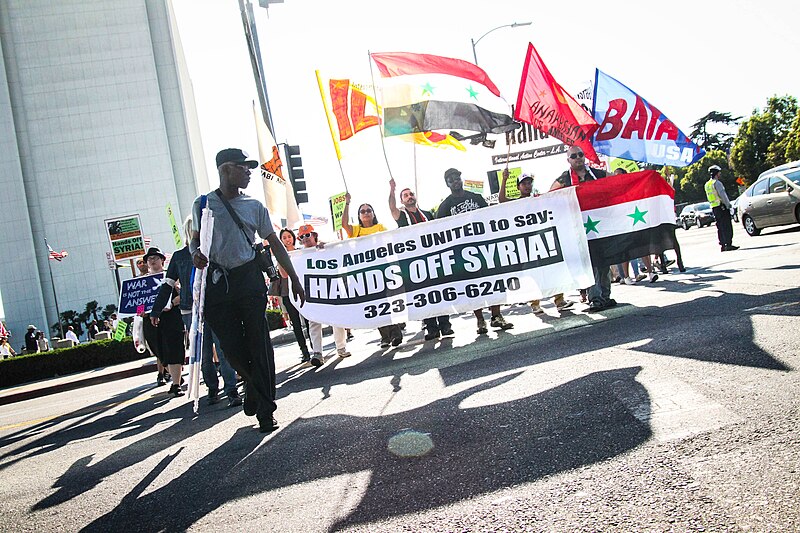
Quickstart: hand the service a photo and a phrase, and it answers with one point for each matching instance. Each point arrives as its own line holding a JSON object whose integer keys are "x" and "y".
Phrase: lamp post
{"x": 474, "y": 42}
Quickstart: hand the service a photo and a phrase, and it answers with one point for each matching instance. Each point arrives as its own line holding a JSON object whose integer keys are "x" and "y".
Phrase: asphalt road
{"x": 675, "y": 411}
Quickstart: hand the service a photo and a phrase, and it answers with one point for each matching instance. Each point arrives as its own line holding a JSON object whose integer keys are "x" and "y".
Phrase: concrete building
{"x": 97, "y": 120}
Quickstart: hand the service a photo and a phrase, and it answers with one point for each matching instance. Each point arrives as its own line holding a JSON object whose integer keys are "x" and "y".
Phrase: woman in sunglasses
{"x": 367, "y": 225}
{"x": 367, "y": 220}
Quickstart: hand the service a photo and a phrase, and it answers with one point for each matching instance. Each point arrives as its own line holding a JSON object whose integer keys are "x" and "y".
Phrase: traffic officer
{"x": 721, "y": 206}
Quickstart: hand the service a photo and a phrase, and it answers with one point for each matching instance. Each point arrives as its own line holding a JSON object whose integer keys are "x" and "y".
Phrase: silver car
{"x": 773, "y": 200}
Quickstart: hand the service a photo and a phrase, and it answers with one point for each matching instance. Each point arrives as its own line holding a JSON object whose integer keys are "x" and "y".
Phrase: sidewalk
{"x": 45, "y": 387}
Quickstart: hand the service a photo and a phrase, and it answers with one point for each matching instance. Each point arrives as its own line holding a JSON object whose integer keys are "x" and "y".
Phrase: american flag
{"x": 58, "y": 256}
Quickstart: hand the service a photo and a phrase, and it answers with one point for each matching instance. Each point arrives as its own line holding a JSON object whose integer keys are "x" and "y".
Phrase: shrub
{"x": 35, "y": 366}
{"x": 275, "y": 319}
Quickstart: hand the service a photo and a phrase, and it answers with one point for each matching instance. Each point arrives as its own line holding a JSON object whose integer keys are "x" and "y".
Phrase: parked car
{"x": 735, "y": 209}
{"x": 773, "y": 200}
{"x": 696, "y": 215}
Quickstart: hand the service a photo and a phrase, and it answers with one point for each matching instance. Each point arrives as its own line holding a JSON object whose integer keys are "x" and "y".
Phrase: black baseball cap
{"x": 452, "y": 172}
{"x": 234, "y": 155}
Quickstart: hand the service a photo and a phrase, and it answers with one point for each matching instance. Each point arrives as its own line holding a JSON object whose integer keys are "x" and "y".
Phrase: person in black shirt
{"x": 461, "y": 201}
{"x": 408, "y": 215}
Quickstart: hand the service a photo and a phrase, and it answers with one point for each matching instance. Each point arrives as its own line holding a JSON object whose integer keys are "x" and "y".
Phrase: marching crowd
{"x": 238, "y": 343}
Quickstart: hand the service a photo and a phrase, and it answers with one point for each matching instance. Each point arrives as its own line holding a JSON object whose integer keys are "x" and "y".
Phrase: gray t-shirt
{"x": 229, "y": 249}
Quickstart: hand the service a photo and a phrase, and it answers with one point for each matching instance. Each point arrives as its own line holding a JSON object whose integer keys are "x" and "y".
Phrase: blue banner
{"x": 632, "y": 128}
{"x": 139, "y": 294}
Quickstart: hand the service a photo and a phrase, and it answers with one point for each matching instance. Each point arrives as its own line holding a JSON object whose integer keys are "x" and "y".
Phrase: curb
{"x": 77, "y": 384}
{"x": 285, "y": 337}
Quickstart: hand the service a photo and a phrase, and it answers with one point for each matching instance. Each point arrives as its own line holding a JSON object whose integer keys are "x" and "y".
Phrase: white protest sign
{"x": 509, "y": 253}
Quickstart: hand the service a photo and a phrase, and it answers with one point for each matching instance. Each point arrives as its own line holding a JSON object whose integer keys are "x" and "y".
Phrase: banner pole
{"x": 375, "y": 95}
{"x": 330, "y": 128}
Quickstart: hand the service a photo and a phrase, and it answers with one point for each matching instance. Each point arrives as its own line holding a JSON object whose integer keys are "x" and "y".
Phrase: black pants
{"x": 234, "y": 308}
{"x": 724, "y": 226}
{"x": 297, "y": 325}
{"x": 437, "y": 324}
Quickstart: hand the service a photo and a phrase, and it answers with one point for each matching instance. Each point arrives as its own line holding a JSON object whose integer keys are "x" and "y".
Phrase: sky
{"x": 686, "y": 58}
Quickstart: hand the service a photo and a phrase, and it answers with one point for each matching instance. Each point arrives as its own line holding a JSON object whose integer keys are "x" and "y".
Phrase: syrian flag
{"x": 627, "y": 216}
{"x": 58, "y": 256}
{"x": 423, "y": 92}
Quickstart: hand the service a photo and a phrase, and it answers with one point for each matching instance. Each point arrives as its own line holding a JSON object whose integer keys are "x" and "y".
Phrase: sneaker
{"x": 500, "y": 322}
{"x": 234, "y": 400}
{"x": 268, "y": 426}
{"x": 640, "y": 277}
{"x": 482, "y": 327}
{"x": 629, "y": 281}
{"x": 317, "y": 360}
{"x": 653, "y": 277}
{"x": 564, "y": 304}
{"x": 432, "y": 335}
{"x": 213, "y": 397}
{"x": 611, "y": 302}
{"x": 342, "y": 352}
{"x": 536, "y": 308}
{"x": 448, "y": 332}
{"x": 306, "y": 358}
{"x": 595, "y": 307}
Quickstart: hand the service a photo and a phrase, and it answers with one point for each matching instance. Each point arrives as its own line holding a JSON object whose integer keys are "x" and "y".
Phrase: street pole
{"x": 251, "y": 35}
{"x": 53, "y": 284}
{"x": 475, "y": 43}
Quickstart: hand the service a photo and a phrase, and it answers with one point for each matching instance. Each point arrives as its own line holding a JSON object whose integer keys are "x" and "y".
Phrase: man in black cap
{"x": 236, "y": 294}
{"x": 461, "y": 201}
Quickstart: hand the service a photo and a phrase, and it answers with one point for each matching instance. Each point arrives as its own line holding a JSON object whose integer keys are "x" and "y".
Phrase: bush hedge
{"x": 97, "y": 354}
{"x": 35, "y": 366}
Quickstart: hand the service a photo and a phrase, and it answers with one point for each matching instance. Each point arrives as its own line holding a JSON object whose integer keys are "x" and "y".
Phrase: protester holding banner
{"x": 236, "y": 293}
{"x": 280, "y": 288}
{"x": 164, "y": 331}
{"x": 461, "y": 201}
{"x": 525, "y": 187}
{"x": 408, "y": 215}
{"x": 600, "y": 293}
{"x": 368, "y": 224}
{"x": 309, "y": 238}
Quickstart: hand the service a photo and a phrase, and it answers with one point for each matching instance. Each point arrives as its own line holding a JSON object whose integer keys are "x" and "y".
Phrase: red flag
{"x": 545, "y": 104}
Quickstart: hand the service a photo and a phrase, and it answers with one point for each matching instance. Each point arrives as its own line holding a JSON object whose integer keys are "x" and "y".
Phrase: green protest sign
{"x": 125, "y": 237}
{"x": 176, "y": 233}
{"x": 119, "y": 333}
{"x": 337, "y": 203}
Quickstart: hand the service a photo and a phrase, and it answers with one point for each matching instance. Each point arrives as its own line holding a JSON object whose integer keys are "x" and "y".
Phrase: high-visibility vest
{"x": 711, "y": 193}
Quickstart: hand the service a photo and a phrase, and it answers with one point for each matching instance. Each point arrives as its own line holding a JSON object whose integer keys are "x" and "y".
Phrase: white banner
{"x": 505, "y": 254}
{"x": 278, "y": 192}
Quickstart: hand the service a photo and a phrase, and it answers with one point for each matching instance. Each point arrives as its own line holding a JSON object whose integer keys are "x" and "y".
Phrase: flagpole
{"x": 416, "y": 182}
{"x": 53, "y": 284}
{"x": 375, "y": 94}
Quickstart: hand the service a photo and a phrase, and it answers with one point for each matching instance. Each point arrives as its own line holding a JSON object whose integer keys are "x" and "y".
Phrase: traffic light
{"x": 294, "y": 166}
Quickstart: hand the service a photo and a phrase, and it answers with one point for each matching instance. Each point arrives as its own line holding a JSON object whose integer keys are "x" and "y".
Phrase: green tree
{"x": 69, "y": 318}
{"x": 692, "y": 184}
{"x": 792, "y": 144}
{"x": 764, "y": 138}
{"x": 703, "y": 136}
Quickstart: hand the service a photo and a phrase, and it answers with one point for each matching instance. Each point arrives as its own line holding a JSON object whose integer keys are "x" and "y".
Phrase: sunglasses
{"x": 304, "y": 237}
{"x": 365, "y": 211}
{"x": 576, "y": 155}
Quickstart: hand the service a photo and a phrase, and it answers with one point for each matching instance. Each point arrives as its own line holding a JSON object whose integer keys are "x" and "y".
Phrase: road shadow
{"x": 449, "y": 454}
